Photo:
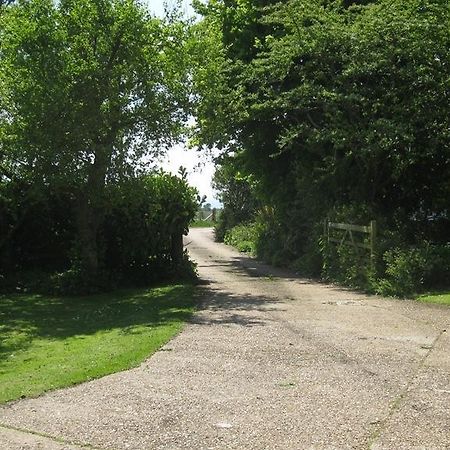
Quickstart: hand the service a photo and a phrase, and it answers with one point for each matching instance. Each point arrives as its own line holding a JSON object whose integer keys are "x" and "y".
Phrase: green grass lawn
{"x": 442, "y": 298}
{"x": 47, "y": 342}
{"x": 202, "y": 224}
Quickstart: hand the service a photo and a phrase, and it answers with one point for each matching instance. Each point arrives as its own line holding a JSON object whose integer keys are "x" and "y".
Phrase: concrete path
{"x": 269, "y": 362}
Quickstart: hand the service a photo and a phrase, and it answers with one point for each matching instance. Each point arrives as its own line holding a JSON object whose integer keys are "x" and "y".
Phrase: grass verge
{"x": 48, "y": 342}
{"x": 442, "y": 298}
{"x": 202, "y": 224}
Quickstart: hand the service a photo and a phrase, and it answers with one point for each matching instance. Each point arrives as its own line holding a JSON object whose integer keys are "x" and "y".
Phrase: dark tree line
{"x": 334, "y": 109}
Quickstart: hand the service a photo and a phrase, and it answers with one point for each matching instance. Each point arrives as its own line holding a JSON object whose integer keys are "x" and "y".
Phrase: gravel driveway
{"x": 270, "y": 361}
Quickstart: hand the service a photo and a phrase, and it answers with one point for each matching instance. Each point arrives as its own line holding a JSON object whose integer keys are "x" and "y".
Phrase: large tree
{"x": 336, "y": 103}
{"x": 88, "y": 88}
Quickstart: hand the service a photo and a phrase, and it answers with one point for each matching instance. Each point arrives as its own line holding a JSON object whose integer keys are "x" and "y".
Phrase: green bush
{"x": 438, "y": 276}
{"x": 399, "y": 271}
{"x": 38, "y": 240}
{"x": 37, "y": 227}
{"x": 346, "y": 265}
{"x": 405, "y": 272}
{"x": 399, "y": 268}
{"x": 244, "y": 237}
{"x": 145, "y": 213}
{"x": 237, "y": 193}
{"x": 226, "y": 221}
{"x": 409, "y": 271}
{"x": 75, "y": 281}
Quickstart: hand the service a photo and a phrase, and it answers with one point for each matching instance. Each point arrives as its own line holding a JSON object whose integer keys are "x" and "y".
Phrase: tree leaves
{"x": 81, "y": 74}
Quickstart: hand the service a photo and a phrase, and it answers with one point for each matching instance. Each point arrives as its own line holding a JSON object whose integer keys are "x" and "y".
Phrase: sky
{"x": 199, "y": 165}
{"x": 157, "y": 6}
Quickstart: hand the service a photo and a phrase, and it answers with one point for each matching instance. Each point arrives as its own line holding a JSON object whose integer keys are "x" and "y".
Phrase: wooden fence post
{"x": 373, "y": 237}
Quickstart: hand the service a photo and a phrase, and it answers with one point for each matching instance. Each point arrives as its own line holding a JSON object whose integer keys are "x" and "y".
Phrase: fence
{"x": 205, "y": 215}
{"x": 343, "y": 234}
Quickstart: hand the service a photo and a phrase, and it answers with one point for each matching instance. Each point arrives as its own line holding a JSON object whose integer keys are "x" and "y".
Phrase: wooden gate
{"x": 348, "y": 234}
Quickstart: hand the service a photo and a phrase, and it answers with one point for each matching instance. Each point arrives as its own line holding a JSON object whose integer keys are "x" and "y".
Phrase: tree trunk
{"x": 91, "y": 210}
{"x": 88, "y": 223}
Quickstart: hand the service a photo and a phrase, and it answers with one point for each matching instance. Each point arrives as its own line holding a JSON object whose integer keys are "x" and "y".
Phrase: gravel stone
{"x": 269, "y": 361}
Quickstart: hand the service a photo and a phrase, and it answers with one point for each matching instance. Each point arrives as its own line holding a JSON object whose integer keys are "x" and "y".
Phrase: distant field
{"x": 202, "y": 224}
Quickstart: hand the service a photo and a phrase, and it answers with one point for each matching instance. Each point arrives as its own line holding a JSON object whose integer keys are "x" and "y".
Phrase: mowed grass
{"x": 443, "y": 298}
{"x": 47, "y": 343}
{"x": 202, "y": 224}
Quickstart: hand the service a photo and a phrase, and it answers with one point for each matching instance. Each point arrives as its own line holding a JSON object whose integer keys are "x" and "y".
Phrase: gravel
{"x": 270, "y": 361}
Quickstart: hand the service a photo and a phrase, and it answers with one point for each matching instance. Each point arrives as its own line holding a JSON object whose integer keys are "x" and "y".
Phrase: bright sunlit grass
{"x": 443, "y": 298}
{"x": 202, "y": 224}
{"x": 47, "y": 343}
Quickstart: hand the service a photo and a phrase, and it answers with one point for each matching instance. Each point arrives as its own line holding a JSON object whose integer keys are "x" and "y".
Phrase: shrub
{"x": 346, "y": 264}
{"x": 405, "y": 272}
{"x": 244, "y": 237}
{"x": 143, "y": 214}
{"x": 438, "y": 275}
{"x": 409, "y": 270}
{"x": 37, "y": 227}
{"x": 75, "y": 281}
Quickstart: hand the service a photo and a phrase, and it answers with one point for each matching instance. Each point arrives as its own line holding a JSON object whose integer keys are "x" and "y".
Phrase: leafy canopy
{"x": 87, "y": 82}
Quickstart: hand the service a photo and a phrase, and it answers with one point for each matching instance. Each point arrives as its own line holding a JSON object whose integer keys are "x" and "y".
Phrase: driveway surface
{"x": 270, "y": 361}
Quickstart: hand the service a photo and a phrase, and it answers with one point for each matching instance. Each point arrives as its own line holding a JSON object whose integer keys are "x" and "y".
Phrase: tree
{"x": 88, "y": 88}
{"x": 337, "y": 103}
{"x": 336, "y": 109}
{"x": 4, "y": 3}
{"x": 237, "y": 193}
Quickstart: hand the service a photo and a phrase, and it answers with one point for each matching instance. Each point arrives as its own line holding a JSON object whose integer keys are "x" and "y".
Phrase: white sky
{"x": 157, "y": 6}
{"x": 199, "y": 166}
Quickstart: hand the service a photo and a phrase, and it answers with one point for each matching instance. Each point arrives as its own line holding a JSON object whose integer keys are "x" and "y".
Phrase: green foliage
{"x": 71, "y": 282}
{"x": 143, "y": 215}
{"x": 344, "y": 263}
{"x": 52, "y": 342}
{"x": 244, "y": 237}
{"x": 311, "y": 263}
{"x": 405, "y": 272}
{"x": 402, "y": 271}
{"x": 438, "y": 275}
{"x": 87, "y": 89}
{"x": 347, "y": 265}
{"x": 261, "y": 238}
{"x": 81, "y": 80}
{"x": 270, "y": 244}
{"x": 336, "y": 109}
{"x": 36, "y": 227}
{"x": 408, "y": 271}
{"x": 236, "y": 192}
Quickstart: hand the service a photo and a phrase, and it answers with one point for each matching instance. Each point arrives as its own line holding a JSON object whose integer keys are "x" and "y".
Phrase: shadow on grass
{"x": 25, "y": 317}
